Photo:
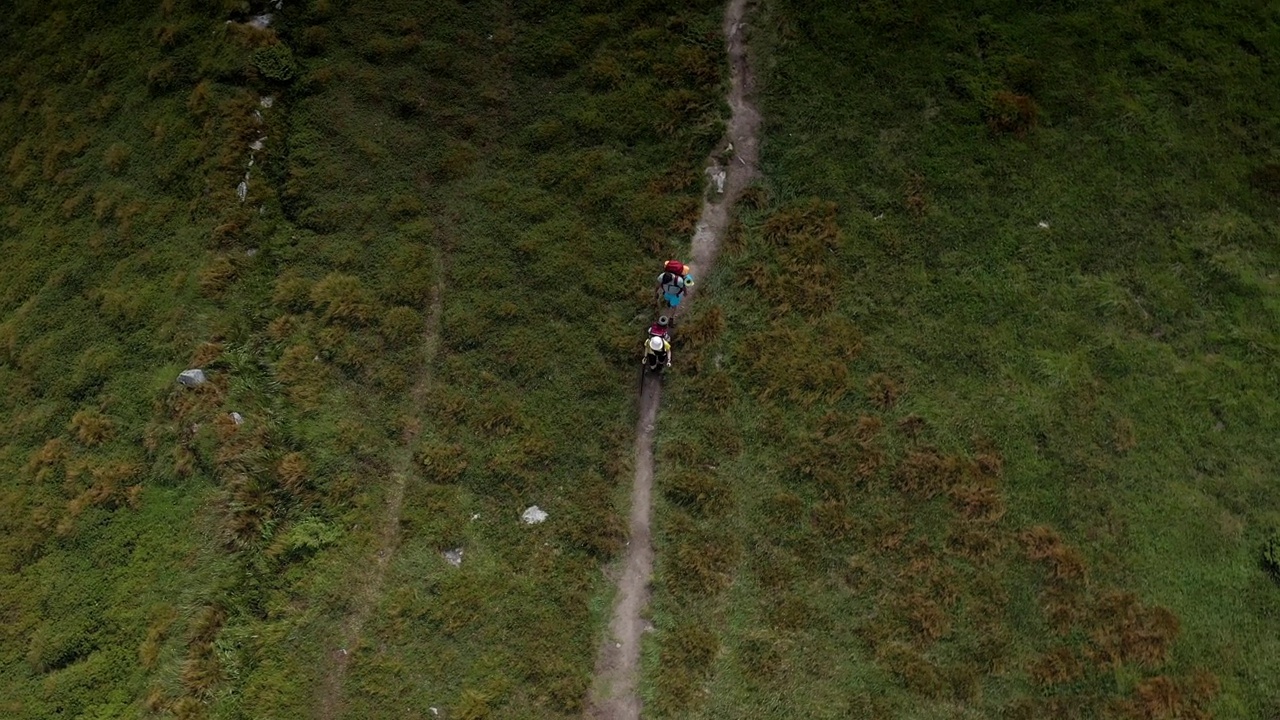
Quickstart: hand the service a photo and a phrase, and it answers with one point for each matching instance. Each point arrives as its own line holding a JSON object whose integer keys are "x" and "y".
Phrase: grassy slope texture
{"x": 508, "y": 168}
{"x": 934, "y": 459}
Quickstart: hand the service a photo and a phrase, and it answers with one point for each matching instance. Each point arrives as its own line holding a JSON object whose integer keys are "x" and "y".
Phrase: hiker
{"x": 675, "y": 279}
{"x": 662, "y": 328}
{"x": 657, "y": 352}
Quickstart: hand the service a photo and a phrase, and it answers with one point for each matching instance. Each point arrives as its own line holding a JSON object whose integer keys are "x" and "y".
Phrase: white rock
{"x": 257, "y": 144}
{"x": 192, "y": 377}
{"x": 533, "y": 515}
{"x": 267, "y": 101}
{"x": 262, "y": 22}
{"x": 717, "y": 176}
{"x": 1043, "y": 224}
{"x": 453, "y": 557}
{"x": 242, "y": 190}
{"x": 237, "y": 418}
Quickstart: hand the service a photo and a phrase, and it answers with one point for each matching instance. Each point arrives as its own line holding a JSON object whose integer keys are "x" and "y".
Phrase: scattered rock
{"x": 267, "y": 101}
{"x": 717, "y": 176}
{"x": 251, "y": 251}
{"x": 192, "y": 377}
{"x": 257, "y": 144}
{"x": 242, "y": 190}
{"x": 475, "y": 517}
{"x": 878, "y": 217}
{"x": 1043, "y": 224}
{"x": 533, "y": 515}
{"x": 453, "y": 557}
{"x": 261, "y": 22}
{"x": 237, "y": 418}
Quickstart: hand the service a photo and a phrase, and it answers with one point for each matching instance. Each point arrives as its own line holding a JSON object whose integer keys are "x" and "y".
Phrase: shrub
{"x": 216, "y": 276}
{"x": 686, "y": 654}
{"x": 92, "y": 427}
{"x": 275, "y": 62}
{"x": 442, "y": 463}
{"x": 116, "y": 157}
{"x": 343, "y": 298}
{"x": 293, "y": 471}
{"x": 883, "y": 391}
{"x": 698, "y": 491}
{"x": 1059, "y": 665}
{"x": 1266, "y": 179}
{"x": 1271, "y": 554}
{"x": 314, "y": 40}
{"x": 761, "y": 655}
{"x": 401, "y": 326}
{"x": 1009, "y": 113}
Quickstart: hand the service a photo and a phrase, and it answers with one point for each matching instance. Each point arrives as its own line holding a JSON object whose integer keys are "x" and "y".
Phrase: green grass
{"x": 1000, "y": 470}
{"x": 1118, "y": 364}
{"x": 529, "y": 161}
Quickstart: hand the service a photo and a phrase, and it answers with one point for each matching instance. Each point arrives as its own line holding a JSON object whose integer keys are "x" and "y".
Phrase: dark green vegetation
{"x": 521, "y": 162}
{"x": 935, "y": 461}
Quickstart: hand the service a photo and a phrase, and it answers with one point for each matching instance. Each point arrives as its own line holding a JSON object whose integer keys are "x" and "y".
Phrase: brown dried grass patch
{"x": 1057, "y": 666}
{"x": 981, "y": 503}
{"x": 1126, "y": 631}
{"x": 883, "y": 391}
{"x": 926, "y": 473}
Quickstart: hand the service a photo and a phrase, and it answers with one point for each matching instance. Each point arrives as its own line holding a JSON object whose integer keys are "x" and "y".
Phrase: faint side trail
{"x": 329, "y": 703}
{"x": 614, "y": 693}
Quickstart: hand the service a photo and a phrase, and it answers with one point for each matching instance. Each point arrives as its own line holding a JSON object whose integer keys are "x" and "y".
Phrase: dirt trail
{"x": 614, "y": 694}
{"x": 329, "y": 702}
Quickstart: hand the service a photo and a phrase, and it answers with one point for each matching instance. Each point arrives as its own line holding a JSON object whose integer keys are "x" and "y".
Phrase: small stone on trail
{"x": 533, "y": 515}
{"x": 453, "y": 557}
{"x": 237, "y": 418}
{"x": 192, "y": 377}
{"x": 717, "y": 176}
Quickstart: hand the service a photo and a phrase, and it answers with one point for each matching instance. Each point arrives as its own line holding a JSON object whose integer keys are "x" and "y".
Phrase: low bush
{"x": 1271, "y": 554}
{"x": 275, "y": 62}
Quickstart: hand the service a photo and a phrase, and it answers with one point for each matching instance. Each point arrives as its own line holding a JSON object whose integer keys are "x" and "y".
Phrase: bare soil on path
{"x": 614, "y": 694}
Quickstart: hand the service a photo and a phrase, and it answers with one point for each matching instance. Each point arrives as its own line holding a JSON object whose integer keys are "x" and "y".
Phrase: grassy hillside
{"x": 430, "y": 286}
{"x": 980, "y": 422}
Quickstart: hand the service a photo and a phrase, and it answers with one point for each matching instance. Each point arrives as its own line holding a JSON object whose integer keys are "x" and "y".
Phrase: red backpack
{"x": 674, "y": 266}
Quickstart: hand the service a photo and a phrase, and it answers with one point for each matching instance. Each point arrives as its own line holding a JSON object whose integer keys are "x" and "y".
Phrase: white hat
{"x": 655, "y": 343}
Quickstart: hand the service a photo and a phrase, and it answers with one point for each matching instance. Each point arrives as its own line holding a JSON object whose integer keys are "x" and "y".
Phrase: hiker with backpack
{"x": 676, "y": 278}
{"x": 657, "y": 352}
{"x": 661, "y": 328}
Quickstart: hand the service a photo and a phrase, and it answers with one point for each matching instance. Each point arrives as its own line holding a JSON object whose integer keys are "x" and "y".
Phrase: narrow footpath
{"x": 614, "y": 693}
{"x": 329, "y": 700}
